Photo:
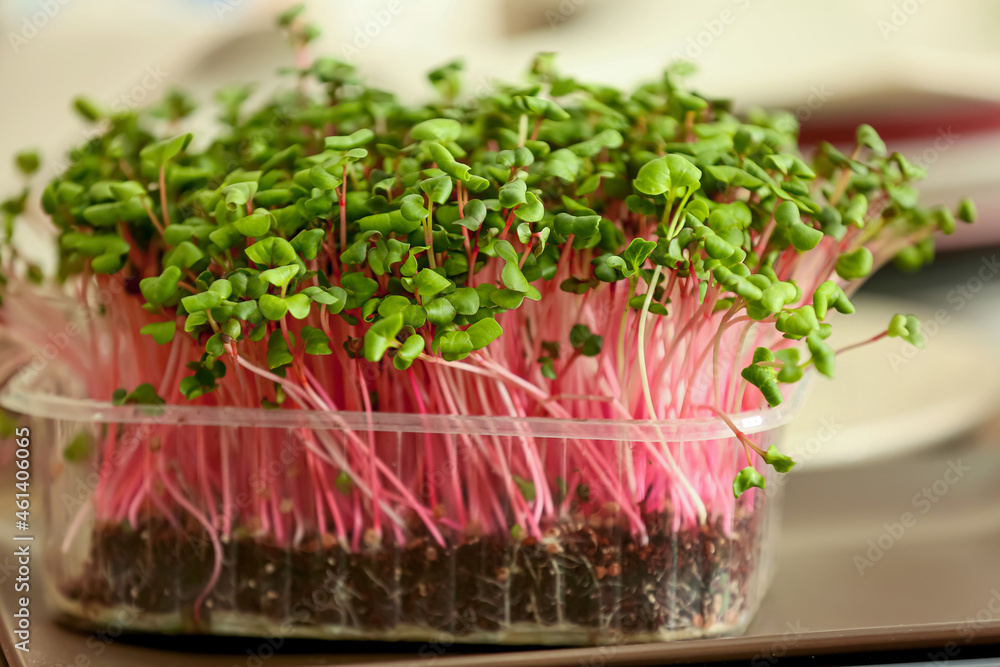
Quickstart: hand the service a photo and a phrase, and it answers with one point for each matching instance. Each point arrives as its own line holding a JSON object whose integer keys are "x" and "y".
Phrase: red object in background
{"x": 956, "y": 139}
{"x": 915, "y": 125}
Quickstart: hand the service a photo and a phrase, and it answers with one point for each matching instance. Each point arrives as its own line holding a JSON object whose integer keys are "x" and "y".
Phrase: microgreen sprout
{"x": 558, "y": 249}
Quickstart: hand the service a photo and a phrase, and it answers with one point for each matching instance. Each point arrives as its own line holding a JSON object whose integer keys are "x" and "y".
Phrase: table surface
{"x": 934, "y": 579}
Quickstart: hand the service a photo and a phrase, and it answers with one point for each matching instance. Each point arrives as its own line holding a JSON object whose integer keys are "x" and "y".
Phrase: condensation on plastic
{"x": 586, "y": 579}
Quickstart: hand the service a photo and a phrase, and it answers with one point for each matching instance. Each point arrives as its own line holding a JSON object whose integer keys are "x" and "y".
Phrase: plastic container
{"x": 194, "y": 519}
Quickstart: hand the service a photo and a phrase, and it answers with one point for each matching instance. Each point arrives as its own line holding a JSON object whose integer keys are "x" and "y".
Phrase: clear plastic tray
{"x": 497, "y": 530}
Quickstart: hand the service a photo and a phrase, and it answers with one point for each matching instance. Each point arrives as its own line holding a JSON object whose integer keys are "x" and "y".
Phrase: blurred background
{"x": 925, "y": 73}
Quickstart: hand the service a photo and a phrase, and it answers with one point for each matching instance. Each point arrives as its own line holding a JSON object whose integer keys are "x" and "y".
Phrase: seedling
{"x": 553, "y": 249}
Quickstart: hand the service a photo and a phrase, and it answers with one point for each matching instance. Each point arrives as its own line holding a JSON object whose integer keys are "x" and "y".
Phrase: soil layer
{"x": 590, "y": 574}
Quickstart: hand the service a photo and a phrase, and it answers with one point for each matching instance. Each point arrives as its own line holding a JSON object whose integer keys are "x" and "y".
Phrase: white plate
{"x": 888, "y": 398}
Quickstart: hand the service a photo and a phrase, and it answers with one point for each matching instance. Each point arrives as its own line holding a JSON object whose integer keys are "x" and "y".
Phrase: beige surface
{"x": 107, "y": 48}
{"x": 888, "y": 398}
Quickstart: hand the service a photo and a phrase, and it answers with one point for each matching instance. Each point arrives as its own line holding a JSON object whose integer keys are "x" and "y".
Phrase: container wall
{"x": 400, "y": 534}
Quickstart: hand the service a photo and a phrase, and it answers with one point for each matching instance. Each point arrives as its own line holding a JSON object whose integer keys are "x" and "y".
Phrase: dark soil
{"x": 588, "y": 573}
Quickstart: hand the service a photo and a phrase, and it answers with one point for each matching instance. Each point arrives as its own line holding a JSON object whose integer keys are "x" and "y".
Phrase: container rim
{"x": 23, "y": 395}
